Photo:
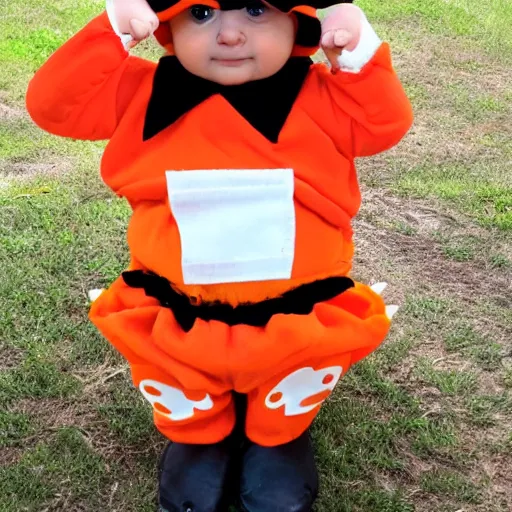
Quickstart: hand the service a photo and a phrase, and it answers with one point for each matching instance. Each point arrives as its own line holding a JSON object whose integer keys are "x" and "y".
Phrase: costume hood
{"x": 308, "y": 28}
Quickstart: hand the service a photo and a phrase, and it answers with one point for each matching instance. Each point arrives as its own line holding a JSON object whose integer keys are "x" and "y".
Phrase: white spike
{"x": 391, "y": 310}
{"x": 94, "y": 294}
{"x": 379, "y": 287}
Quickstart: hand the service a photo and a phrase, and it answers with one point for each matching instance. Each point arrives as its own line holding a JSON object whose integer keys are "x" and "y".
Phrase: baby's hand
{"x": 133, "y": 17}
{"x": 341, "y": 30}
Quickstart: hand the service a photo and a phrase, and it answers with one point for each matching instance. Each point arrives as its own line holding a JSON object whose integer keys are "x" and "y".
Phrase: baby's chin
{"x": 229, "y": 80}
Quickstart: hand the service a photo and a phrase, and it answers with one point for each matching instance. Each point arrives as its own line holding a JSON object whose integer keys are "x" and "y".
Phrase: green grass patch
{"x": 462, "y": 247}
{"x": 484, "y": 23}
{"x": 459, "y": 250}
{"x": 137, "y": 494}
{"x": 28, "y": 484}
{"x": 30, "y": 33}
{"x": 404, "y": 228}
{"x": 76, "y": 236}
{"x": 21, "y": 141}
{"x": 353, "y": 443}
{"x": 451, "y": 484}
{"x": 32, "y": 46}
{"x": 14, "y": 427}
{"x": 462, "y": 336}
{"x": 435, "y": 437}
{"x": 360, "y": 500}
{"x": 459, "y": 253}
{"x": 427, "y": 310}
{"x": 507, "y": 378}
{"x": 129, "y": 415}
{"x": 465, "y": 340}
{"x": 396, "y": 350}
{"x": 486, "y": 410}
{"x": 89, "y": 348}
{"x": 498, "y": 140}
{"x": 68, "y": 231}
{"x": 366, "y": 379}
{"x": 417, "y": 93}
{"x": 36, "y": 378}
{"x": 488, "y": 355}
{"x": 474, "y": 107}
{"x": 469, "y": 188}
{"x": 500, "y": 261}
{"x": 449, "y": 382}
{"x": 363, "y": 431}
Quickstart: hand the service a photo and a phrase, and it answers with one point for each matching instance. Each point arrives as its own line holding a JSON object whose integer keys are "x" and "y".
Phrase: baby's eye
{"x": 201, "y": 13}
{"x": 256, "y": 9}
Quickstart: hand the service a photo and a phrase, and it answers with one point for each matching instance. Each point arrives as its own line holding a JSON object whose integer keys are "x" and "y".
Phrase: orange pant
{"x": 287, "y": 368}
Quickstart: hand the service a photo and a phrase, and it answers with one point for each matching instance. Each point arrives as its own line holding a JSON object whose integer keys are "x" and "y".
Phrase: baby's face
{"x": 233, "y": 47}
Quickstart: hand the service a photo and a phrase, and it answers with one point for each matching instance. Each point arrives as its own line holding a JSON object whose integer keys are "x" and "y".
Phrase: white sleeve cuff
{"x": 369, "y": 43}
{"x": 126, "y": 39}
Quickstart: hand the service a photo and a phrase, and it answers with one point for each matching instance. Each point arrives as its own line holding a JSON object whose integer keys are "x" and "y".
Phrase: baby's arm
{"x": 369, "y": 107}
{"x": 84, "y": 88}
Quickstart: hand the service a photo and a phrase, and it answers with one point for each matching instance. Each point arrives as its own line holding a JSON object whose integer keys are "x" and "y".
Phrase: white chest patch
{"x": 235, "y": 225}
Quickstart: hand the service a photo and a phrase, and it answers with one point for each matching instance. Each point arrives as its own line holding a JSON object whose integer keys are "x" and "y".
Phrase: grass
{"x": 15, "y": 427}
{"x": 449, "y": 382}
{"x": 38, "y": 476}
{"x": 483, "y": 23}
{"x": 482, "y": 349}
{"x": 422, "y": 425}
{"x": 488, "y": 200}
{"x": 447, "y": 483}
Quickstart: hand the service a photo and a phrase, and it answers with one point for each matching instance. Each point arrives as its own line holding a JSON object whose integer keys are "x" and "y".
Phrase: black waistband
{"x": 299, "y": 301}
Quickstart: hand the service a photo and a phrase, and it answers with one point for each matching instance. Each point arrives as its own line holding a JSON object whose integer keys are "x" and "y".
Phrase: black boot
{"x": 279, "y": 479}
{"x": 192, "y": 477}
{"x": 202, "y": 478}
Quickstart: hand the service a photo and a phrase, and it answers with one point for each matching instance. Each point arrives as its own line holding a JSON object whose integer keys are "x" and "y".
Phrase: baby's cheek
{"x": 191, "y": 50}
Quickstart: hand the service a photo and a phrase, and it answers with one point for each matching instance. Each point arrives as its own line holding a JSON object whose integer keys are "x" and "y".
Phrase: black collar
{"x": 265, "y": 104}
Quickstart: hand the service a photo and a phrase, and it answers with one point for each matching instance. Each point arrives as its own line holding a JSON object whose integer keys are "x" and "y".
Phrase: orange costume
{"x": 240, "y": 237}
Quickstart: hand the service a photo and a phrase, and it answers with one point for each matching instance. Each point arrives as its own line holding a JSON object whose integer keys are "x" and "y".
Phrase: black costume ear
{"x": 282, "y": 5}
{"x": 309, "y": 30}
{"x": 161, "y": 5}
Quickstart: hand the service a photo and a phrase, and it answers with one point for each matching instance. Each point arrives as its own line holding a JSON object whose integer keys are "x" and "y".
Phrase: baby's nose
{"x": 231, "y": 31}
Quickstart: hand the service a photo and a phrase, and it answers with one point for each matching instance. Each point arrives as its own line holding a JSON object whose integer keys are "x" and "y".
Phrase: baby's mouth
{"x": 231, "y": 61}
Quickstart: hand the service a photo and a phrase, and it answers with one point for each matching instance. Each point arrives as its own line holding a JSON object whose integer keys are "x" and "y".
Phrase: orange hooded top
{"x": 305, "y": 118}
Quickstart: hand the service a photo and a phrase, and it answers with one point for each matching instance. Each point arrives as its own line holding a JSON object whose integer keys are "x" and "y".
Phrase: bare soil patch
{"x": 8, "y": 113}
{"x": 27, "y": 171}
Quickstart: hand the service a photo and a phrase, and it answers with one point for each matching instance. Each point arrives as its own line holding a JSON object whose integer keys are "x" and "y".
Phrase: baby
{"x": 236, "y": 154}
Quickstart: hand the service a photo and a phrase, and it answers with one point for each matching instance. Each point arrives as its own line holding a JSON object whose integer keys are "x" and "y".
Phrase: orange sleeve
{"x": 84, "y": 87}
{"x": 369, "y": 111}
